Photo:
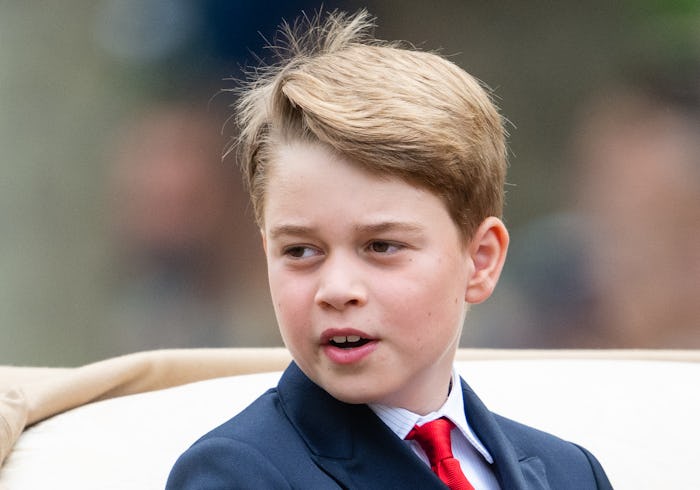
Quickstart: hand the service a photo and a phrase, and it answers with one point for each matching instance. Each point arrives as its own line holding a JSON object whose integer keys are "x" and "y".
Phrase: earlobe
{"x": 488, "y": 250}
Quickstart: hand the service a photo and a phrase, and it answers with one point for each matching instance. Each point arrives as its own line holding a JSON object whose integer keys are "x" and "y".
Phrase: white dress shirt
{"x": 473, "y": 457}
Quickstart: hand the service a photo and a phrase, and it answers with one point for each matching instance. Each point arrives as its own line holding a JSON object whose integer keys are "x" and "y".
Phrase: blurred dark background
{"x": 121, "y": 230}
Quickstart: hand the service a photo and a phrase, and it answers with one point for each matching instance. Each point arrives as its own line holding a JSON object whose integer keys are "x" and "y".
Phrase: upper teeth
{"x": 341, "y": 339}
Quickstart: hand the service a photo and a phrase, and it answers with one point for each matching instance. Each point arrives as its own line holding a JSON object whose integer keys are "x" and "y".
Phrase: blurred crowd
{"x": 619, "y": 265}
{"x": 189, "y": 258}
{"x": 615, "y": 263}
{"x": 636, "y": 186}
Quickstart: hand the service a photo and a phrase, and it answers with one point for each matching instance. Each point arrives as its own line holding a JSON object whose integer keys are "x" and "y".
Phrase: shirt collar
{"x": 401, "y": 421}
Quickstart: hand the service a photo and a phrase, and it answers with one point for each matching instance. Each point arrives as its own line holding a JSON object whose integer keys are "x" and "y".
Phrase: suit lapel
{"x": 354, "y": 447}
{"x": 349, "y": 442}
{"x": 514, "y": 469}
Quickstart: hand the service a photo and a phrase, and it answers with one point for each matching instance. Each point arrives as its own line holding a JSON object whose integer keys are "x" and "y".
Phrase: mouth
{"x": 346, "y": 338}
{"x": 348, "y": 341}
{"x": 347, "y": 346}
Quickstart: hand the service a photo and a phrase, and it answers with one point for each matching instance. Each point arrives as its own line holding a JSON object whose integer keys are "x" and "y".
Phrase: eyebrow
{"x": 281, "y": 230}
{"x": 384, "y": 226}
{"x": 369, "y": 228}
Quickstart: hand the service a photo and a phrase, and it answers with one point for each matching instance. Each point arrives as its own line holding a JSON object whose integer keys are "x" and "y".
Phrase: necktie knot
{"x": 434, "y": 438}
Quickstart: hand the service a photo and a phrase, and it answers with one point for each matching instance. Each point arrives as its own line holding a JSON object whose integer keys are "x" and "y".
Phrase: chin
{"x": 354, "y": 396}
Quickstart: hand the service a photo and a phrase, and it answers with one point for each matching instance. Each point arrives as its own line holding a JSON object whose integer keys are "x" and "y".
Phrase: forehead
{"x": 309, "y": 184}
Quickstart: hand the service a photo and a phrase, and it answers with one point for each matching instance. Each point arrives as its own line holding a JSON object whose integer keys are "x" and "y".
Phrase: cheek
{"x": 412, "y": 304}
{"x": 437, "y": 301}
{"x": 440, "y": 282}
{"x": 291, "y": 300}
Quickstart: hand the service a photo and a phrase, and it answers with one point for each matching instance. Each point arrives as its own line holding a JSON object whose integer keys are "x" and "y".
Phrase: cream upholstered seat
{"x": 635, "y": 410}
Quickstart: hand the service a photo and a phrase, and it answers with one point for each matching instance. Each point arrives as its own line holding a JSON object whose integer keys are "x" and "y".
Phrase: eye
{"x": 382, "y": 247}
{"x": 300, "y": 252}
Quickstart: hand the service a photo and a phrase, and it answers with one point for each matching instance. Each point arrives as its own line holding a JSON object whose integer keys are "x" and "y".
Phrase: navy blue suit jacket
{"x": 298, "y": 436}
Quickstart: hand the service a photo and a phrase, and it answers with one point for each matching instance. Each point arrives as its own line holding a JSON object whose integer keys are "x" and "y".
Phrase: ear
{"x": 487, "y": 251}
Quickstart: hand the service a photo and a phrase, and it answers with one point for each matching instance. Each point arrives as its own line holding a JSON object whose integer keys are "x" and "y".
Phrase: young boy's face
{"x": 368, "y": 277}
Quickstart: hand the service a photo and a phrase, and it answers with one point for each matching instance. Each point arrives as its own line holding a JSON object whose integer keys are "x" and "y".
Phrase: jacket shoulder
{"x": 565, "y": 463}
{"x": 263, "y": 416}
{"x": 220, "y": 463}
{"x": 257, "y": 448}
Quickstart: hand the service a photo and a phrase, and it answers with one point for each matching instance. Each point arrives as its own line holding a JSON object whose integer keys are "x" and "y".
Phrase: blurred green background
{"x": 76, "y": 78}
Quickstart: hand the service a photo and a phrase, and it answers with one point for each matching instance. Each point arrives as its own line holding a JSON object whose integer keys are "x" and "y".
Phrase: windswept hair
{"x": 390, "y": 108}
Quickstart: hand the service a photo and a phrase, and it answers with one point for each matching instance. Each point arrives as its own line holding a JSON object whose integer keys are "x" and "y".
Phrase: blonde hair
{"x": 389, "y": 108}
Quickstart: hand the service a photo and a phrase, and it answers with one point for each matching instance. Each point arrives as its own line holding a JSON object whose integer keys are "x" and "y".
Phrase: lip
{"x": 347, "y": 356}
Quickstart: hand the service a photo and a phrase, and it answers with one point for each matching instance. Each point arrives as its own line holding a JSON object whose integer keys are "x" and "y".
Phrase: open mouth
{"x": 348, "y": 341}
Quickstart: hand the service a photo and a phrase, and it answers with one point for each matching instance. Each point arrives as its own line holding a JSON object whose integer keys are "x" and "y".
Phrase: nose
{"x": 341, "y": 284}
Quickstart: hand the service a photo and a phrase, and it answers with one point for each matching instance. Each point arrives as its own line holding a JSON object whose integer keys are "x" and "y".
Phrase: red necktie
{"x": 434, "y": 438}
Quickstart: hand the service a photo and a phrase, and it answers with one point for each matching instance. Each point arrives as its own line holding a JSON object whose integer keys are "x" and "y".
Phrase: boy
{"x": 376, "y": 175}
